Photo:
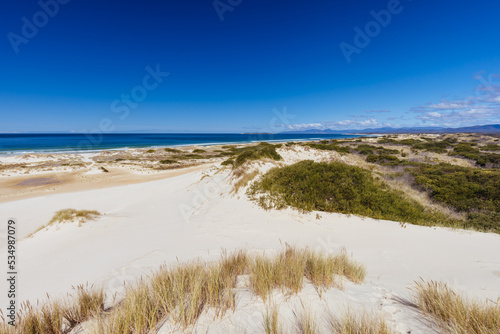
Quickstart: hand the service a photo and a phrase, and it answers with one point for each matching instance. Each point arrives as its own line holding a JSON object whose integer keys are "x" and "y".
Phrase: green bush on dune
{"x": 473, "y": 191}
{"x": 337, "y": 187}
{"x": 257, "y": 152}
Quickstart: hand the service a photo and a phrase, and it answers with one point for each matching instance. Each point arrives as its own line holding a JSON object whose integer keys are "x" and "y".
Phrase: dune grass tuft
{"x": 68, "y": 215}
{"x": 180, "y": 294}
{"x": 89, "y": 303}
{"x": 56, "y": 317}
{"x": 271, "y": 320}
{"x": 72, "y": 214}
{"x": 363, "y": 323}
{"x": 288, "y": 269}
{"x": 453, "y": 312}
{"x": 306, "y": 323}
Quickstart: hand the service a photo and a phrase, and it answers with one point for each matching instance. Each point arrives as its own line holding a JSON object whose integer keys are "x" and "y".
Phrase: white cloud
{"x": 348, "y": 124}
{"x": 377, "y": 111}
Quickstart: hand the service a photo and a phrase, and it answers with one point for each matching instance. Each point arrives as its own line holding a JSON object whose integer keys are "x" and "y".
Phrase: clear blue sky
{"x": 247, "y": 66}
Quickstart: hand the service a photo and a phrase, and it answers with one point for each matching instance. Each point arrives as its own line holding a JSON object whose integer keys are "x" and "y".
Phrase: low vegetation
{"x": 467, "y": 150}
{"x": 271, "y": 320}
{"x": 57, "y": 317}
{"x": 182, "y": 293}
{"x": 473, "y": 191}
{"x": 364, "y": 323}
{"x": 288, "y": 270}
{"x": 329, "y": 145}
{"x": 66, "y": 215}
{"x": 249, "y": 153}
{"x": 337, "y": 187}
{"x": 69, "y": 215}
{"x": 454, "y": 313}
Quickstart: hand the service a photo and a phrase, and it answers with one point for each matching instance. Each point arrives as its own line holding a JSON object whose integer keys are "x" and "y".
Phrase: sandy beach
{"x": 179, "y": 215}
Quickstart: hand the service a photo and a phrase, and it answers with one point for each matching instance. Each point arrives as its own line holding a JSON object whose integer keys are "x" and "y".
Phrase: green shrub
{"x": 336, "y": 187}
{"x": 150, "y": 151}
{"x": 383, "y": 159}
{"x": 228, "y": 162}
{"x": 257, "y": 152}
{"x": 172, "y": 150}
{"x": 329, "y": 147}
{"x": 188, "y": 156}
{"x": 491, "y": 147}
{"x": 199, "y": 151}
{"x": 473, "y": 191}
{"x": 467, "y": 150}
{"x": 433, "y": 146}
{"x": 169, "y": 161}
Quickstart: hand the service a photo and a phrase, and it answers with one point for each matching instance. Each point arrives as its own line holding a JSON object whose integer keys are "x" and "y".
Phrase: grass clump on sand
{"x": 271, "y": 320}
{"x": 72, "y": 214}
{"x": 288, "y": 269}
{"x": 257, "y": 152}
{"x": 337, "y": 187}
{"x": 199, "y": 151}
{"x": 473, "y": 191}
{"x": 454, "y": 313}
{"x": 67, "y": 215}
{"x": 56, "y": 317}
{"x": 181, "y": 294}
{"x": 363, "y": 323}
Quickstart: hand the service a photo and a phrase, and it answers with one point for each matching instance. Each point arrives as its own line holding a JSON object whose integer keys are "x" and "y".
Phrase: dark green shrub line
{"x": 257, "y": 152}
{"x": 467, "y": 150}
{"x": 324, "y": 145}
{"x": 336, "y": 187}
{"x": 473, "y": 191}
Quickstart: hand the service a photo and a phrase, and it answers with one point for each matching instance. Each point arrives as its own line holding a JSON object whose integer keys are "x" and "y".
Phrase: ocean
{"x": 14, "y": 144}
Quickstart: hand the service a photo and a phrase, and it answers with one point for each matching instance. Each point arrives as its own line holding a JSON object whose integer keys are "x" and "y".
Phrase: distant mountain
{"x": 490, "y": 128}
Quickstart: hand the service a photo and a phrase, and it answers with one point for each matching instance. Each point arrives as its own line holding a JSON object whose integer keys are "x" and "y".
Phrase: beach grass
{"x": 357, "y": 323}
{"x": 453, "y": 312}
{"x": 69, "y": 215}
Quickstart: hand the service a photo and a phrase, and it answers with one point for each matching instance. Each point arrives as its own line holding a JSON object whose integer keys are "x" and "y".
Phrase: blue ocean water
{"x": 48, "y": 143}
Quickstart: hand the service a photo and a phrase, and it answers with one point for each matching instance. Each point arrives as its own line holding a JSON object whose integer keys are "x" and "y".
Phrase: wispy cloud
{"x": 482, "y": 108}
{"x": 377, "y": 111}
{"x": 336, "y": 125}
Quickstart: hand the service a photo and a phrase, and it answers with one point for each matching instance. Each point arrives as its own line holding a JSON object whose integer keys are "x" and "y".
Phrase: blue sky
{"x": 247, "y": 66}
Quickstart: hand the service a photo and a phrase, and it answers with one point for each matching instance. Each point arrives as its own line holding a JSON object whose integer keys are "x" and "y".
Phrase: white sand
{"x": 145, "y": 225}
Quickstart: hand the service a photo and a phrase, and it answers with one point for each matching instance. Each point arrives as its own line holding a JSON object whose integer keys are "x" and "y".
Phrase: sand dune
{"x": 196, "y": 215}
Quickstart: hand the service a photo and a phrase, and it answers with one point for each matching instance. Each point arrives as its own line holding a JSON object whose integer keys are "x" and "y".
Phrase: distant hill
{"x": 490, "y": 128}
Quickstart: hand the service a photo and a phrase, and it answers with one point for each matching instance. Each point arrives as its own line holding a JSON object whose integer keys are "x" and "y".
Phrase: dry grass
{"x": 89, "y": 303}
{"x": 69, "y": 215}
{"x": 56, "y": 317}
{"x": 271, "y": 320}
{"x": 72, "y": 214}
{"x": 245, "y": 178}
{"x": 454, "y": 313}
{"x": 180, "y": 294}
{"x": 306, "y": 323}
{"x": 289, "y": 268}
{"x": 364, "y": 323}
